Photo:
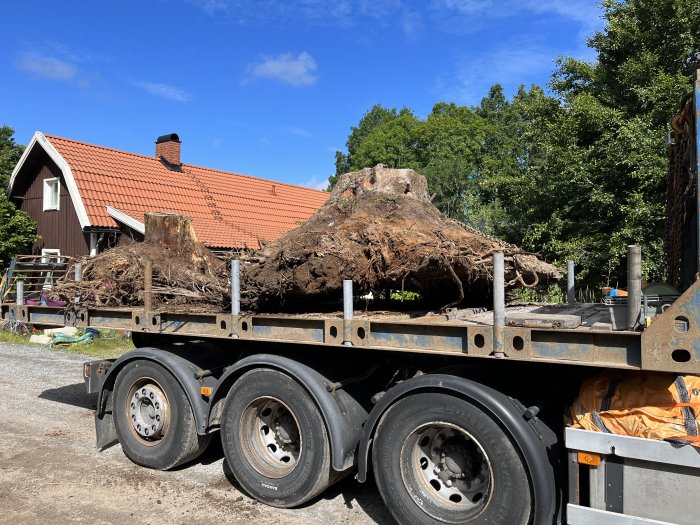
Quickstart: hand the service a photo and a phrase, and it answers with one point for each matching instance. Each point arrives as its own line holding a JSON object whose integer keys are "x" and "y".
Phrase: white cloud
{"x": 337, "y": 13}
{"x": 47, "y": 67}
{"x": 285, "y": 69}
{"x": 411, "y": 25}
{"x": 299, "y": 132}
{"x": 511, "y": 66}
{"x": 164, "y": 91}
{"x": 586, "y": 13}
{"x": 211, "y": 7}
{"x": 316, "y": 183}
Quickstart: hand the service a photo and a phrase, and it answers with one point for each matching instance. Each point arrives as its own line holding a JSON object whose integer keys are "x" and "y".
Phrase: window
{"x": 51, "y": 193}
{"x": 51, "y": 256}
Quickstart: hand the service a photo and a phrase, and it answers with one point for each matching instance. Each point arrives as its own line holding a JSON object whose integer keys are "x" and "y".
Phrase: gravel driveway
{"x": 50, "y": 471}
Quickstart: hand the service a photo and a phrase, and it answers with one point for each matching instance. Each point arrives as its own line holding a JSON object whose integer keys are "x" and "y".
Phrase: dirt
{"x": 50, "y": 471}
{"x": 378, "y": 228}
{"x": 185, "y": 277}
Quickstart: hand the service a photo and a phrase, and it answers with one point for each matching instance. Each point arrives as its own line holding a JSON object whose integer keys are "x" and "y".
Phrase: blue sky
{"x": 265, "y": 88}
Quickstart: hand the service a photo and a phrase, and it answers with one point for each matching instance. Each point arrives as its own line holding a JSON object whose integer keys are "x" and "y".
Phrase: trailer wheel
{"x": 153, "y": 417}
{"x": 274, "y": 439}
{"x": 440, "y": 459}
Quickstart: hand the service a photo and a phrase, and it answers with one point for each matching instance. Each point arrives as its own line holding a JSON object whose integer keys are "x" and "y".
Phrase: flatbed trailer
{"x": 356, "y": 372}
{"x": 456, "y": 415}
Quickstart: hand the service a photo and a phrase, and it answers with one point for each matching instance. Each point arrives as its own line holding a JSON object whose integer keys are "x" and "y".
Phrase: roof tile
{"x": 229, "y": 210}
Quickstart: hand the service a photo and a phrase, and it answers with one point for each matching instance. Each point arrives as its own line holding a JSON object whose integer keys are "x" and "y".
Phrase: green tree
{"x": 578, "y": 172}
{"x": 10, "y": 153}
{"x": 446, "y": 147}
{"x": 370, "y": 121}
{"x": 395, "y": 143}
{"x": 17, "y": 230}
{"x": 595, "y": 157}
{"x": 452, "y": 145}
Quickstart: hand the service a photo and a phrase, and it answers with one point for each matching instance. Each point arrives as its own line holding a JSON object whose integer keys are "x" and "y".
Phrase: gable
{"x": 228, "y": 210}
{"x": 39, "y": 152}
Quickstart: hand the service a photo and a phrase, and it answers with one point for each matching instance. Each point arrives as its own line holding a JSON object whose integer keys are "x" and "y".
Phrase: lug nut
{"x": 143, "y": 391}
{"x": 151, "y": 395}
{"x": 157, "y": 406}
{"x": 448, "y": 483}
{"x": 157, "y": 417}
{"x": 136, "y": 395}
{"x": 133, "y": 405}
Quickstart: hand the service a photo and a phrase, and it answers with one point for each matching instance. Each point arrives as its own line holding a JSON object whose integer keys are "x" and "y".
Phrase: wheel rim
{"x": 446, "y": 472}
{"x": 270, "y": 437}
{"x": 148, "y": 411}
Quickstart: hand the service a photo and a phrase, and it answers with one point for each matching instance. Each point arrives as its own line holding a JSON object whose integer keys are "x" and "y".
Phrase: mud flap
{"x": 105, "y": 432}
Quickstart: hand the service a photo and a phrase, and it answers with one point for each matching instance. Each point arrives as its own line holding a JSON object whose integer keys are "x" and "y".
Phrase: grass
{"x": 109, "y": 344}
{"x": 556, "y": 293}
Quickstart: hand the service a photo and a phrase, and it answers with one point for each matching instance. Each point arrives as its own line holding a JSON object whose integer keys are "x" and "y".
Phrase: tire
{"x": 172, "y": 437}
{"x": 439, "y": 459}
{"x": 275, "y": 439}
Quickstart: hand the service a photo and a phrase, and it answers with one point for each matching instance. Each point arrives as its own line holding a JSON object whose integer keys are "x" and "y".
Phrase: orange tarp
{"x": 649, "y": 405}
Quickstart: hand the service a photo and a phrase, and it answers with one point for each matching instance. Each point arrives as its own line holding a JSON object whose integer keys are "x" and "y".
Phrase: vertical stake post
{"x": 235, "y": 287}
{"x": 570, "y": 281}
{"x": 499, "y": 305}
{"x": 19, "y": 285}
{"x": 347, "y": 312}
{"x": 148, "y": 287}
{"x": 77, "y": 277}
{"x": 634, "y": 285}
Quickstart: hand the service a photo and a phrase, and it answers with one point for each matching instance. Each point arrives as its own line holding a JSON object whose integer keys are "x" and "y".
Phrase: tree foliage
{"x": 595, "y": 178}
{"x": 10, "y": 153}
{"x": 17, "y": 230}
{"x": 577, "y": 172}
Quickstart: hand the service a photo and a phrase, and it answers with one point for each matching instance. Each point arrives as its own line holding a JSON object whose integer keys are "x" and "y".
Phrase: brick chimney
{"x": 168, "y": 150}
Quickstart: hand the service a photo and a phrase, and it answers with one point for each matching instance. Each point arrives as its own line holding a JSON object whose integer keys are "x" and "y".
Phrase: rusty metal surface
{"x": 468, "y": 336}
{"x": 47, "y": 316}
{"x": 680, "y": 184}
{"x": 672, "y": 342}
{"x": 439, "y": 338}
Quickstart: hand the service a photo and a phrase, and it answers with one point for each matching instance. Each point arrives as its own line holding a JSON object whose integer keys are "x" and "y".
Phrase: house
{"x": 84, "y": 197}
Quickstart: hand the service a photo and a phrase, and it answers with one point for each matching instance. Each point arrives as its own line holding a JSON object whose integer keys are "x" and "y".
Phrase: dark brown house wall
{"x": 58, "y": 228}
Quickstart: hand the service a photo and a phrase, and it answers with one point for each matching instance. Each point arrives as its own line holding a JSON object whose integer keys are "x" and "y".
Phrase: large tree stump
{"x": 380, "y": 229}
{"x": 176, "y": 233}
{"x": 169, "y": 229}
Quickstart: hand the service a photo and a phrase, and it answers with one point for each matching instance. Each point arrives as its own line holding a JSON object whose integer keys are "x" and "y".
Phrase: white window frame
{"x": 52, "y": 187}
{"x": 46, "y": 255}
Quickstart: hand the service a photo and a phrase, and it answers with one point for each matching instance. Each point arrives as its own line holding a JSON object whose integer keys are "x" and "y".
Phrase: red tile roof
{"x": 229, "y": 210}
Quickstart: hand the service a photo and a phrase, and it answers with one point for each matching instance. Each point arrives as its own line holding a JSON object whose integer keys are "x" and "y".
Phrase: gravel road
{"x": 50, "y": 471}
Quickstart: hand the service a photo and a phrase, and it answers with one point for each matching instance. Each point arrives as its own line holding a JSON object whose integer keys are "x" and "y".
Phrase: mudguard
{"x": 342, "y": 414}
{"x": 530, "y": 436}
{"x": 181, "y": 361}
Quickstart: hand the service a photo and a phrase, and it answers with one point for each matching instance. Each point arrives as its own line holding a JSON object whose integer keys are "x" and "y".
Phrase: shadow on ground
{"x": 364, "y": 495}
{"x": 74, "y": 395}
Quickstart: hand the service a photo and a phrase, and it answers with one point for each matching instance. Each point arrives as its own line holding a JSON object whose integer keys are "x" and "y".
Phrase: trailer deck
{"x": 580, "y": 334}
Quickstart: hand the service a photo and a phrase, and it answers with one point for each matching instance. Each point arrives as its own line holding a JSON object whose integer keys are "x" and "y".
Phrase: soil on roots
{"x": 186, "y": 277}
{"x": 380, "y": 229}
